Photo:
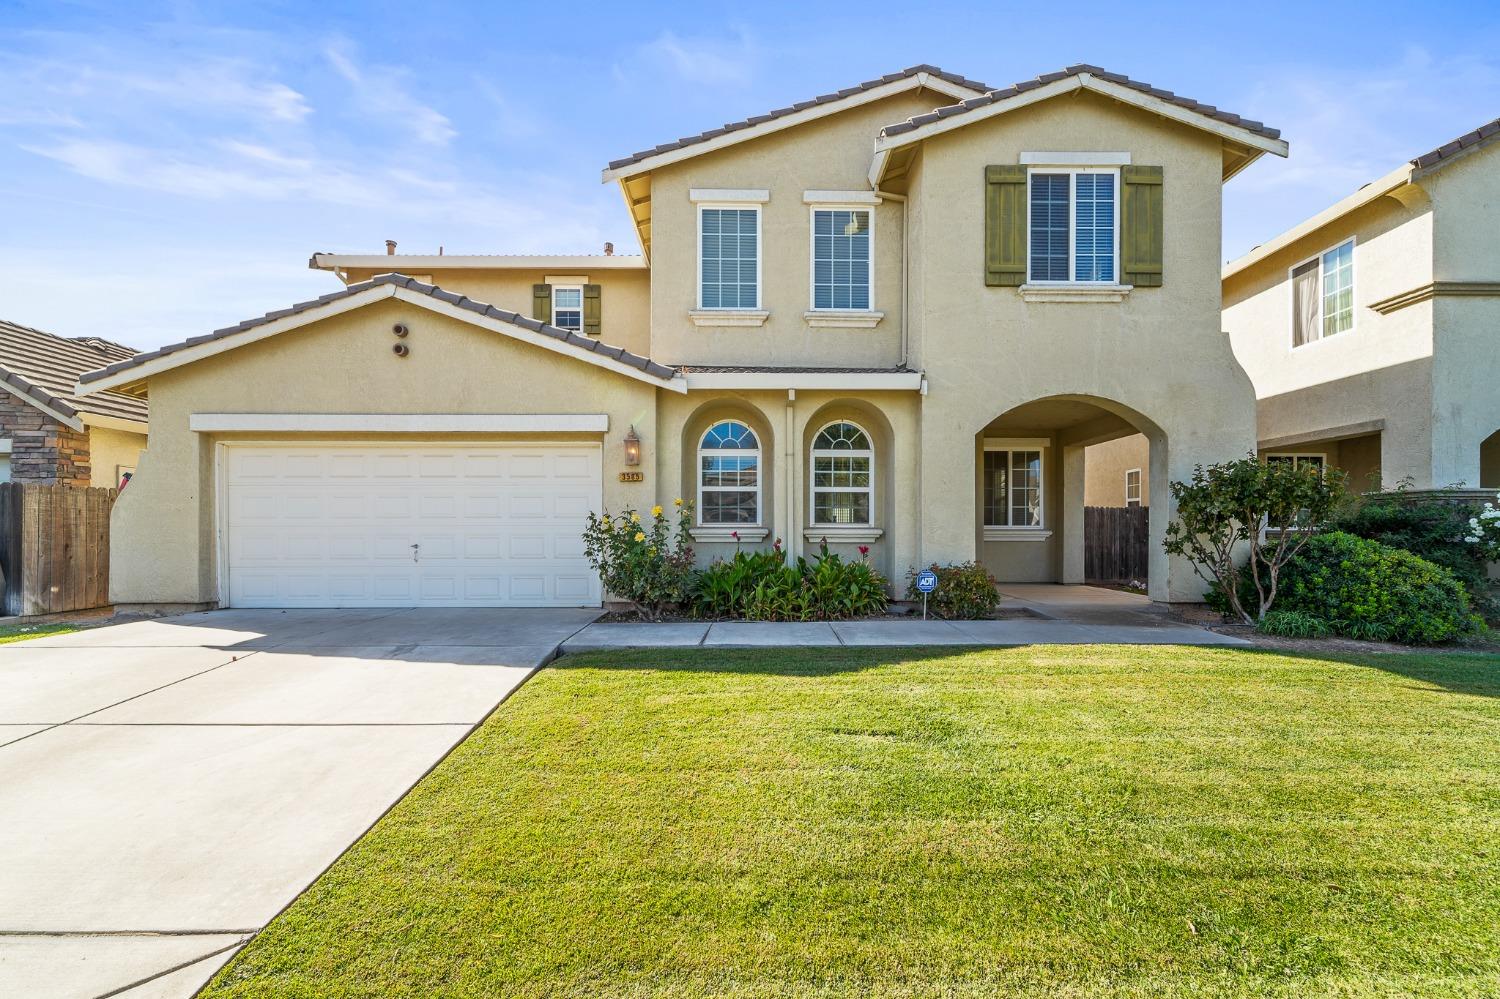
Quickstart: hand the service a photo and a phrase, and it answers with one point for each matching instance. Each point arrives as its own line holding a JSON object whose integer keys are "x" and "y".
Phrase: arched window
{"x": 729, "y": 475}
{"x": 843, "y": 476}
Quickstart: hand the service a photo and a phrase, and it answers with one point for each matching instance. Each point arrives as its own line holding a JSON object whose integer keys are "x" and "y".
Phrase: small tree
{"x": 1273, "y": 508}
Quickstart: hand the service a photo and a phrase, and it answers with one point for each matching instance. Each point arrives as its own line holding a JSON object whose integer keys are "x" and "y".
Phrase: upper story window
{"x": 842, "y": 244}
{"x": 729, "y": 475}
{"x": 567, "y": 307}
{"x": 1074, "y": 231}
{"x": 1133, "y": 487}
{"x": 1012, "y": 487}
{"x": 1323, "y": 295}
{"x": 729, "y": 257}
{"x": 843, "y": 486}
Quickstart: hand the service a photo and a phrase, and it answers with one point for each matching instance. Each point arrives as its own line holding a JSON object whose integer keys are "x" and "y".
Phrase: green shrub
{"x": 1458, "y": 537}
{"x": 1364, "y": 589}
{"x": 1293, "y": 624}
{"x": 763, "y": 586}
{"x": 643, "y": 561}
{"x": 965, "y": 592}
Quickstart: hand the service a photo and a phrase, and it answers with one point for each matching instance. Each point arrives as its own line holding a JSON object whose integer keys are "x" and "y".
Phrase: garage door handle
{"x": 415, "y": 550}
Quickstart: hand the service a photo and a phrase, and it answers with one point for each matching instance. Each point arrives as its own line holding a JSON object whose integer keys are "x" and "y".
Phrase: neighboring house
{"x": 1369, "y": 330}
{"x": 48, "y": 434}
{"x": 1116, "y": 473}
{"x": 894, "y": 316}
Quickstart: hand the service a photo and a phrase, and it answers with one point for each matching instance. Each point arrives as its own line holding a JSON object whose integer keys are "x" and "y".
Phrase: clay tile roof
{"x": 44, "y": 367}
{"x": 847, "y": 92}
{"x": 645, "y": 364}
{"x": 995, "y": 96}
{"x": 1466, "y": 141}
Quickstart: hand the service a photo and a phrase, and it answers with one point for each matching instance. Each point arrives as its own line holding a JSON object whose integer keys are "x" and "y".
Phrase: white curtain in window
{"x": 1305, "y": 295}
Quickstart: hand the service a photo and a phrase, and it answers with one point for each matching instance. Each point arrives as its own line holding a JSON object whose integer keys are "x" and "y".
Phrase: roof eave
{"x": 423, "y": 263}
{"x": 1373, "y": 191}
{"x": 957, "y": 118}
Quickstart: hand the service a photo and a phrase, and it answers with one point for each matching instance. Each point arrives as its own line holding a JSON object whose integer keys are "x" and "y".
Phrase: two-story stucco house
{"x": 1369, "y": 330}
{"x": 892, "y": 316}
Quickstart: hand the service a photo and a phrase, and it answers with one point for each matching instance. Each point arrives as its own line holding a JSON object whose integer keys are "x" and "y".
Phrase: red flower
{"x": 735, "y": 535}
{"x": 776, "y": 544}
{"x": 864, "y": 550}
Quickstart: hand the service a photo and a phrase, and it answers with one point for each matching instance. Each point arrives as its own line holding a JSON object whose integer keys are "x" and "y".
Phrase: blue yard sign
{"x": 926, "y": 582}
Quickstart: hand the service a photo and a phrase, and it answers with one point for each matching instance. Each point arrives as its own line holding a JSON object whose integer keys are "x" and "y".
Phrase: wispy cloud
{"x": 707, "y": 61}
{"x": 381, "y": 90}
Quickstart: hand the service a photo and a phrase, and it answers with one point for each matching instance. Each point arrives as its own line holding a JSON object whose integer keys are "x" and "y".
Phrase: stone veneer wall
{"x": 41, "y": 449}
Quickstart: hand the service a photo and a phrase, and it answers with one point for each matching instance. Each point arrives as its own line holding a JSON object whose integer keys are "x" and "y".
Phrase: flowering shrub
{"x": 1461, "y": 538}
{"x": 965, "y": 592}
{"x": 763, "y": 586}
{"x": 644, "y": 561}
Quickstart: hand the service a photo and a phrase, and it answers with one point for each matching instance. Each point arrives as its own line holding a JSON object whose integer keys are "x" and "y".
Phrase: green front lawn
{"x": 1058, "y": 822}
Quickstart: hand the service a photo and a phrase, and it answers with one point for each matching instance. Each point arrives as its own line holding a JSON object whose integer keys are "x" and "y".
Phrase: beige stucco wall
{"x": 624, "y": 295}
{"x": 1158, "y": 359}
{"x": 830, "y": 154}
{"x": 109, "y": 449}
{"x": 1466, "y": 402}
{"x": 785, "y": 427}
{"x": 163, "y": 531}
{"x": 1104, "y": 473}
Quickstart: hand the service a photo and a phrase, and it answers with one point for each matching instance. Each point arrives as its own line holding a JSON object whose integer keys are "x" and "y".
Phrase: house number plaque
{"x": 632, "y": 476}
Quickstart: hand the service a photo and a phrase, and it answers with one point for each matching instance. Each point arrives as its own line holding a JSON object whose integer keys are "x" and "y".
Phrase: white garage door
{"x": 409, "y": 525}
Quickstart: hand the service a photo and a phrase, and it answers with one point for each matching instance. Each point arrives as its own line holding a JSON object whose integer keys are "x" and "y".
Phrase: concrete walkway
{"x": 1065, "y": 615}
{"x": 168, "y": 786}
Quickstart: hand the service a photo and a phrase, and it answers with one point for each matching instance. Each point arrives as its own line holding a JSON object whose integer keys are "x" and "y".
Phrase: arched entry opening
{"x": 1033, "y": 485}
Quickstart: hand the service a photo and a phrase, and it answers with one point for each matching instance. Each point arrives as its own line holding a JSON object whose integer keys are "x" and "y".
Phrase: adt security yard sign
{"x": 927, "y": 581}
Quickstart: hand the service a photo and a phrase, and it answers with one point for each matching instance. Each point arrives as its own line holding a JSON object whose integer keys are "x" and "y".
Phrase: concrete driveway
{"x": 168, "y": 786}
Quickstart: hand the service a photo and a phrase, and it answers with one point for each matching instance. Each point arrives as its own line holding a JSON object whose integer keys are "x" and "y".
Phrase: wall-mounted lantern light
{"x": 632, "y": 448}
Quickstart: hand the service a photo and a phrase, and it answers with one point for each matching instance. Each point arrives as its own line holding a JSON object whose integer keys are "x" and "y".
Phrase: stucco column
{"x": 949, "y": 512}
{"x": 1073, "y": 469}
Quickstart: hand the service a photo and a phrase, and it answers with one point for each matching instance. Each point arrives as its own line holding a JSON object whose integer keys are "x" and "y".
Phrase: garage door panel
{"x": 333, "y": 525}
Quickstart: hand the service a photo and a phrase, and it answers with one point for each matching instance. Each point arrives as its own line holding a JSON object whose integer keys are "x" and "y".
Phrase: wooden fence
{"x": 1115, "y": 548}
{"x": 54, "y": 547}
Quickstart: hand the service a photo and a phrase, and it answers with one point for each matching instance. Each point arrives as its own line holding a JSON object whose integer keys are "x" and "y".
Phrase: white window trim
{"x": 1140, "y": 487}
{"x": 760, "y": 474}
{"x": 814, "y": 489}
{"x": 813, "y": 312}
{"x": 760, "y": 256}
{"x": 1113, "y": 284}
{"x": 1076, "y": 158}
{"x": 1019, "y": 532}
{"x": 1291, "y": 296}
{"x": 722, "y": 197}
{"x": 567, "y": 287}
{"x": 1298, "y": 456}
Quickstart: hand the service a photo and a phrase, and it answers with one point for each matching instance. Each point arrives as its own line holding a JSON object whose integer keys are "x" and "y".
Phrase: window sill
{"x": 728, "y": 317}
{"x": 838, "y": 318}
{"x": 1075, "y": 293}
{"x": 841, "y": 534}
{"x": 727, "y": 532}
{"x": 1016, "y": 534}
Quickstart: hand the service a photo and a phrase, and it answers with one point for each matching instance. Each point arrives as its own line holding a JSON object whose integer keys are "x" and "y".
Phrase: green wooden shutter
{"x": 1005, "y": 226}
{"x": 1140, "y": 226}
{"x": 591, "y": 309}
{"x": 541, "y": 302}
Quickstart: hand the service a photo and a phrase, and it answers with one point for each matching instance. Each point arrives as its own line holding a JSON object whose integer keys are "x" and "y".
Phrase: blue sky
{"x": 168, "y": 169}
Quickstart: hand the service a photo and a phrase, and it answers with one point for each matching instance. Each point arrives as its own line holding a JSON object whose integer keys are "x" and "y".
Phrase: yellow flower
{"x": 656, "y": 510}
{"x": 640, "y": 536}
{"x": 651, "y": 550}
{"x": 635, "y": 518}
{"x": 677, "y": 501}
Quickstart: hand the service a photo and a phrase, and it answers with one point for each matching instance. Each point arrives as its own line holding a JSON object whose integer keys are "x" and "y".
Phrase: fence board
{"x": 1115, "y": 544}
{"x": 54, "y": 547}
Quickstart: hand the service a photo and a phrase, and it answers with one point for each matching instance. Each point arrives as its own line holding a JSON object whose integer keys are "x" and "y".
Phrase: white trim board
{"x": 457, "y": 423}
{"x": 810, "y": 113}
{"x": 115, "y": 423}
{"x": 714, "y": 196}
{"x": 71, "y": 422}
{"x": 197, "y": 352}
{"x": 898, "y": 381}
{"x": 1075, "y": 159}
{"x": 422, "y": 263}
